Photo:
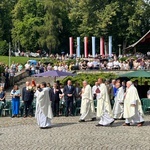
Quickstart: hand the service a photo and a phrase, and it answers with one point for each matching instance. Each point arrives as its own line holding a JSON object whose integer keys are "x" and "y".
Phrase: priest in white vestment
{"x": 133, "y": 112}
{"x": 87, "y": 105}
{"x": 43, "y": 108}
{"x": 104, "y": 111}
{"x": 119, "y": 100}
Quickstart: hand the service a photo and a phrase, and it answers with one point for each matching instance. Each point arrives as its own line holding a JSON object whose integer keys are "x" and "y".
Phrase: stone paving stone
{"x": 68, "y": 134}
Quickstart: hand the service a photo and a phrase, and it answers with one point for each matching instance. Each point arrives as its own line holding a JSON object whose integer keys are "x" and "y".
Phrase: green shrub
{"x": 90, "y": 78}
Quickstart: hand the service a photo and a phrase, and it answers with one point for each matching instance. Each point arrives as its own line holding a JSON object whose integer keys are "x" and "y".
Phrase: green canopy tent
{"x": 139, "y": 73}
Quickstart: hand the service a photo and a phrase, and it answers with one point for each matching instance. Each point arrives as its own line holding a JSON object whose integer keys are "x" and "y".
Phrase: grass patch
{"x": 22, "y": 60}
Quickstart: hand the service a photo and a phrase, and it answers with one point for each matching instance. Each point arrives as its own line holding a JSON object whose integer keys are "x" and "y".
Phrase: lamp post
{"x": 9, "y": 53}
{"x": 119, "y": 49}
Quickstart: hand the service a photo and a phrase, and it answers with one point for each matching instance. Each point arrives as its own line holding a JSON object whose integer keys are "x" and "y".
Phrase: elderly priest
{"x": 132, "y": 106}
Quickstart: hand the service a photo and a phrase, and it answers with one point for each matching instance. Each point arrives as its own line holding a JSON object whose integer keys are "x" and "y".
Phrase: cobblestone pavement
{"x": 69, "y": 134}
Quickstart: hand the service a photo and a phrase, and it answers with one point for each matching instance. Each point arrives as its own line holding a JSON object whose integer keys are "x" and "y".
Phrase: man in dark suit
{"x": 69, "y": 91}
{"x": 54, "y": 97}
{"x": 27, "y": 97}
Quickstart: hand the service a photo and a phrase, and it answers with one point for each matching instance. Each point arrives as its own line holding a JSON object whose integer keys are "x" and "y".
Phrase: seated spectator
{"x": 37, "y": 68}
{"x": 116, "y": 64}
{"x": 49, "y": 67}
{"x": 60, "y": 67}
{"x": 84, "y": 65}
{"x": 90, "y": 65}
{"x": 41, "y": 68}
{"x": 110, "y": 65}
{"x": 55, "y": 67}
{"x": 95, "y": 64}
{"x": 2, "y": 94}
{"x": 148, "y": 94}
{"x": 126, "y": 65}
{"x": 136, "y": 65}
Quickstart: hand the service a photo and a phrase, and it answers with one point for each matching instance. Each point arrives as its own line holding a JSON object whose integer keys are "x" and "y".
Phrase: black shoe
{"x": 81, "y": 120}
{"x": 66, "y": 115}
{"x": 98, "y": 125}
{"x": 13, "y": 116}
{"x": 45, "y": 127}
{"x": 93, "y": 119}
{"x": 126, "y": 124}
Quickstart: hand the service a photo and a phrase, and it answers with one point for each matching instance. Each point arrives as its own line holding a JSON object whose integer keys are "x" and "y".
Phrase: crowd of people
{"x": 104, "y": 63}
{"x": 89, "y": 64}
{"x": 114, "y": 99}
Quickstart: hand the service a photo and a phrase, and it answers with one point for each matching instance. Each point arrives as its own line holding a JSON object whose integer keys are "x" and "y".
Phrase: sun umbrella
{"x": 138, "y": 73}
{"x": 53, "y": 73}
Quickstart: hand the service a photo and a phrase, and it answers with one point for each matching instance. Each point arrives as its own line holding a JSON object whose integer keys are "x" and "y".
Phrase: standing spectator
{"x": 12, "y": 74}
{"x": 2, "y": 80}
{"x": 68, "y": 94}
{"x": 6, "y": 78}
{"x": 32, "y": 69}
{"x": 148, "y": 94}
{"x": 14, "y": 67}
{"x": 61, "y": 96}
{"x": 20, "y": 67}
{"x": 130, "y": 64}
{"x": 27, "y": 97}
{"x": 54, "y": 97}
{"x": 2, "y": 94}
{"x": 15, "y": 93}
{"x": 27, "y": 67}
{"x": 77, "y": 92}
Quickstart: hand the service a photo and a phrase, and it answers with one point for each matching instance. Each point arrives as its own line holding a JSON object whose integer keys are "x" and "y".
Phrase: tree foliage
{"x": 48, "y": 24}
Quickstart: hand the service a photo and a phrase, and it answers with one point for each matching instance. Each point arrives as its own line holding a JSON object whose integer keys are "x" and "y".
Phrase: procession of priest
{"x": 115, "y": 100}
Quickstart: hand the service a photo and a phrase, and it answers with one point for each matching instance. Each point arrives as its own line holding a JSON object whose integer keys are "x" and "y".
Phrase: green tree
{"x": 52, "y": 30}
{"x": 27, "y": 16}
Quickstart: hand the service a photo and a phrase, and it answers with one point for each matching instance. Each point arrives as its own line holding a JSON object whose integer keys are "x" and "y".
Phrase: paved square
{"x": 68, "y": 134}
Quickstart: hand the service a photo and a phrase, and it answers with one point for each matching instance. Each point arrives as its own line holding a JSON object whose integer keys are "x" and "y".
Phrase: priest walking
{"x": 119, "y": 100}
{"x": 103, "y": 106}
{"x": 43, "y": 108}
{"x": 87, "y": 105}
{"x": 132, "y": 106}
